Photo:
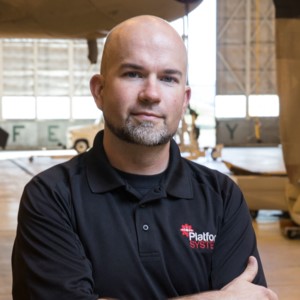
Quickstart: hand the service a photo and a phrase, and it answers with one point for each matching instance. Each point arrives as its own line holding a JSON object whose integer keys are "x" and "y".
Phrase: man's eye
{"x": 169, "y": 79}
{"x": 133, "y": 75}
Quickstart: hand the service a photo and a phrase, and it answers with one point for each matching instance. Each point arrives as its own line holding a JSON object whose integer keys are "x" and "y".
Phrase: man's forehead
{"x": 138, "y": 42}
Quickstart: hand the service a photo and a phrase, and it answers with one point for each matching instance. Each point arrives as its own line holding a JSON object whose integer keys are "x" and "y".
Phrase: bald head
{"x": 142, "y": 89}
{"x": 141, "y": 31}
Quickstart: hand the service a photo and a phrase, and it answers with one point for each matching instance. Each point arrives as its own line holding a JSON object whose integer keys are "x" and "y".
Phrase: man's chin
{"x": 149, "y": 139}
{"x": 145, "y": 134}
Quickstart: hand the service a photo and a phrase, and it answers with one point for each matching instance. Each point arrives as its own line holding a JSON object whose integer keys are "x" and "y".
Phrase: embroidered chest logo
{"x": 204, "y": 240}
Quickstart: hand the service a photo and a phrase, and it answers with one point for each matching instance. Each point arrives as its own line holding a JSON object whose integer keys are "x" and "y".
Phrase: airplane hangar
{"x": 247, "y": 114}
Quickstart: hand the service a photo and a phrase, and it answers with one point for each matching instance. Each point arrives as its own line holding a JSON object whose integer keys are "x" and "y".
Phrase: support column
{"x": 288, "y": 83}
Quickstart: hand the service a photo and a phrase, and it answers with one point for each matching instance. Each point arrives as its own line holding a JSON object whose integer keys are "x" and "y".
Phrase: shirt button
{"x": 157, "y": 190}
{"x": 145, "y": 227}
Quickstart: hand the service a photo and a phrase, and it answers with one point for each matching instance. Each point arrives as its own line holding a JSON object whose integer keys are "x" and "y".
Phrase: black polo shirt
{"x": 84, "y": 232}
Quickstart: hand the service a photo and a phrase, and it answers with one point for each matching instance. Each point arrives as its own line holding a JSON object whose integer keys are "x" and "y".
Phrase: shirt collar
{"x": 102, "y": 177}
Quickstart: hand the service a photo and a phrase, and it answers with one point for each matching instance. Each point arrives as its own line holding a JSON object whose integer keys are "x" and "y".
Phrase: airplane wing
{"x": 89, "y": 19}
{"x": 254, "y": 161}
{"x": 239, "y": 170}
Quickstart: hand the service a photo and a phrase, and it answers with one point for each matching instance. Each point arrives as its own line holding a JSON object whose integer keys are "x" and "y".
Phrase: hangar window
{"x": 18, "y": 107}
{"x": 44, "y": 79}
{"x": 53, "y": 108}
{"x": 237, "y": 106}
{"x": 263, "y": 106}
{"x": 230, "y": 106}
{"x": 84, "y": 108}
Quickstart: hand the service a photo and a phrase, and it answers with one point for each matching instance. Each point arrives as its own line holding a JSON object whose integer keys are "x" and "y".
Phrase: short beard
{"x": 144, "y": 133}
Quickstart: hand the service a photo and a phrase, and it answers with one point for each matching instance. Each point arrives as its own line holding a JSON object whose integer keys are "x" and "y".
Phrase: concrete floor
{"x": 280, "y": 256}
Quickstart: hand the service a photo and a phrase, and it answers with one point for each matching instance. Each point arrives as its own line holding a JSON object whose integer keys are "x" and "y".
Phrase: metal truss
{"x": 246, "y": 47}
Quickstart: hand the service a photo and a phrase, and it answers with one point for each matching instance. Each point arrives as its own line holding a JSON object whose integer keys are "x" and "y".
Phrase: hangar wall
{"x": 246, "y": 65}
{"x": 235, "y": 132}
{"x": 38, "y": 76}
{"x": 50, "y": 134}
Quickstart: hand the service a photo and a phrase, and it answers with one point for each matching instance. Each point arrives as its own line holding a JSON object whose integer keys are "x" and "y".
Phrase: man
{"x": 131, "y": 219}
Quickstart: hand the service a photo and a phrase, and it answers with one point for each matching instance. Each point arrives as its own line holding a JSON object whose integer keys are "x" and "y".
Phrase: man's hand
{"x": 241, "y": 288}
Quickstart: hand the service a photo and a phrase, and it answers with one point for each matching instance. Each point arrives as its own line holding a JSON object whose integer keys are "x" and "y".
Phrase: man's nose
{"x": 150, "y": 90}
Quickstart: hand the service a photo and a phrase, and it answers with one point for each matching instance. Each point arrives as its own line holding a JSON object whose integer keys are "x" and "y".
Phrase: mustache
{"x": 147, "y": 111}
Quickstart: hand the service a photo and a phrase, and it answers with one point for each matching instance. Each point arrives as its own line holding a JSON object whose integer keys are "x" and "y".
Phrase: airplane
{"x": 80, "y": 19}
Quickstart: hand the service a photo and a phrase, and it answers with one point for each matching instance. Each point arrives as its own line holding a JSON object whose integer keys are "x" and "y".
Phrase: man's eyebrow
{"x": 139, "y": 67}
{"x": 131, "y": 66}
{"x": 173, "y": 72}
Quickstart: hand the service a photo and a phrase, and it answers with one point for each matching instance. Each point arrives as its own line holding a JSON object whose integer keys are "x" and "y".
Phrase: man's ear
{"x": 96, "y": 87}
{"x": 187, "y": 97}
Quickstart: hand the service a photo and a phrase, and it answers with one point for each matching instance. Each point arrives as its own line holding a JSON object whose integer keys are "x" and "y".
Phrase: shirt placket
{"x": 145, "y": 224}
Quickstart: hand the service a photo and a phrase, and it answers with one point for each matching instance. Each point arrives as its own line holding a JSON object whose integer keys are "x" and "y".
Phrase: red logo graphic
{"x": 204, "y": 240}
{"x": 185, "y": 229}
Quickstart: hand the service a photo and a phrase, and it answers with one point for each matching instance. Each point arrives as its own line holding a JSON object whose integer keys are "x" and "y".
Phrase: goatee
{"x": 143, "y": 133}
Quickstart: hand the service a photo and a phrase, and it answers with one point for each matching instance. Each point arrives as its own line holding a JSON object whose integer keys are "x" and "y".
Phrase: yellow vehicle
{"x": 81, "y": 137}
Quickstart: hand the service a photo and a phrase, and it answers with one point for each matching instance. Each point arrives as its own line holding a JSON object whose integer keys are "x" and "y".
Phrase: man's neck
{"x": 136, "y": 159}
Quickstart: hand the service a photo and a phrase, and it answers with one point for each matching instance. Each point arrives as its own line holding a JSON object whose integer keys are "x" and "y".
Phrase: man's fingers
{"x": 251, "y": 270}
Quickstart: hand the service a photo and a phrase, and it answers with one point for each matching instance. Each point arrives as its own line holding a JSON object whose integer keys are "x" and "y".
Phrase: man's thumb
{"x": 251, "y": 270}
